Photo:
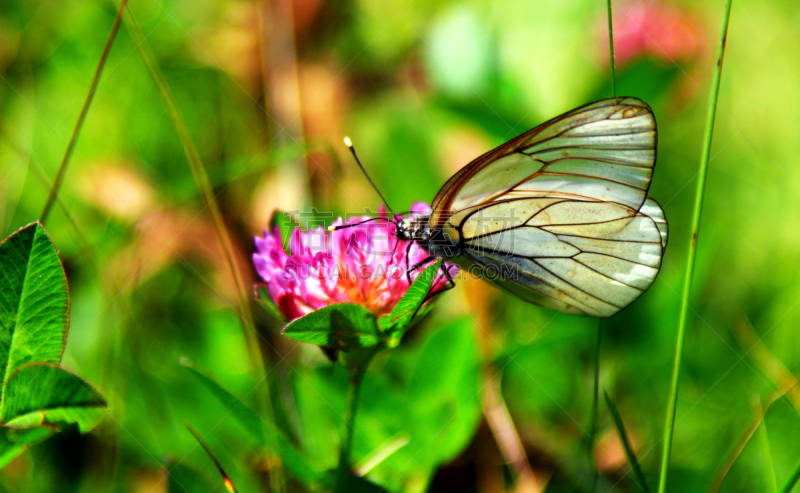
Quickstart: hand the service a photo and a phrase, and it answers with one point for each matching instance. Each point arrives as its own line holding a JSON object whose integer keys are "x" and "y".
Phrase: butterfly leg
{"x": 417, "y": 266}
{"x": 447, "y": 287}
{"x": 408, "y": 262}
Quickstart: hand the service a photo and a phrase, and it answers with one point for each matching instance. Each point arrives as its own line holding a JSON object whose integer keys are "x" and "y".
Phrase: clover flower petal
{"x": 364, "y": 264}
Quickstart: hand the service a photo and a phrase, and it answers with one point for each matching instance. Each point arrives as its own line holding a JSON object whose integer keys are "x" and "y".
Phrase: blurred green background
{"x": 268, "y": 90}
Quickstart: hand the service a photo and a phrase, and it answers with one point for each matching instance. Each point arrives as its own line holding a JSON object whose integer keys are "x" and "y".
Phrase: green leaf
{"x": 34, "y": 319}
{"x": 341, "y": 326}
{"x": 425, "y": 391}
{"x": 399, "y": 320}
{"x": 445, "y": 380}
{"x": 294, "y": 462}
{"x": 14, "y": 442}
{"x": 415, "y": 295}
{"x": 34, "y": 300}
{"x": 263, "y": 299}
{"x": 41, "y": 394}
{"x": 623, "y": 436}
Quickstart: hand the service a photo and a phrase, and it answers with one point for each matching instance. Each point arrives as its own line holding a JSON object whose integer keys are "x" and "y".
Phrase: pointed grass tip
{"x": 229, "y": 484}
{"x": 226, "y": 480}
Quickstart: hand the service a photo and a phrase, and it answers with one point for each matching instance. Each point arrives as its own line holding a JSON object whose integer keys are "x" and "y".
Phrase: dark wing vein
{"x": 575, "y": 285}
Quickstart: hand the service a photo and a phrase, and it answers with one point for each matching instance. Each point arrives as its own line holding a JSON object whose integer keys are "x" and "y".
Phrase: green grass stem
{"x": 672, "y": 403}
{"x": 209, "y": 201}
{"x": 73, "y": 140}
{"x": 596, "y": 395}
{"x": 348, "y": 428}
{"x": 611, "y": 51}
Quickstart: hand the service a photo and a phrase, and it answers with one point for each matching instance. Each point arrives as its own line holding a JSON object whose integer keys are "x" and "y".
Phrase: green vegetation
{"x": 208, "y": 116}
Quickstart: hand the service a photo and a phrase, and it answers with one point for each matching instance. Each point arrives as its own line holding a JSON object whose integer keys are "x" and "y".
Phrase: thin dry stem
{"x": 506, "y": 436}
{"x": 73, "y": 140}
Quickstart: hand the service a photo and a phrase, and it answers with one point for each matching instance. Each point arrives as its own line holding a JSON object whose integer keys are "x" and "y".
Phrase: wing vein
{"x": 601, "y": 239}
{"x": 607, "y": 276}
{"x": 576, "y": 287}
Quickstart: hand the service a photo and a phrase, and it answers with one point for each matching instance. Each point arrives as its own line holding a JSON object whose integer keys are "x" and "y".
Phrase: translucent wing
{"x": 602, "y": 151}
{"x": 586, "y": 257}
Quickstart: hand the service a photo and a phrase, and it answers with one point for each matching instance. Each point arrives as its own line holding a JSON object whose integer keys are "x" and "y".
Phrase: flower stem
{"x": 669, "y": 425}
{"x": 348, "y": 427}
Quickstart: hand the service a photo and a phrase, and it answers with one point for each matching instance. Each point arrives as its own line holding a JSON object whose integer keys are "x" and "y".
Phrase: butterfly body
{"x": 437, "y": 241}
{"x": 559, "y": 215}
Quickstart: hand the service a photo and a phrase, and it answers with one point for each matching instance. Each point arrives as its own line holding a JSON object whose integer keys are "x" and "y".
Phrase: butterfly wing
{"x": 560, "y": 214}
{"x": 578, "y": 256}
{"x": 602, "y": 151}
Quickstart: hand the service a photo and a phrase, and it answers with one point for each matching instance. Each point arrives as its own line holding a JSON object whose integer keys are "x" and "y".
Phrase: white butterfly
{"x": 561, "y": 212}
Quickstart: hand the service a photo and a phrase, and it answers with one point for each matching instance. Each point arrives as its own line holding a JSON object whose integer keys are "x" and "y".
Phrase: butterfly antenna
{"x": 345, "y": 226}
{"x": 349, "y": 145}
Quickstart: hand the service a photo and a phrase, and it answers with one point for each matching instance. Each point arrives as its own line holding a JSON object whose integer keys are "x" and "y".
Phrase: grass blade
{"x": 792, "y": 480}
{"x": 210, "y": 203}
{"x": 759, "y": 413}
{"x": 292, "y": 459}
{"x": 596, "y": 390}
{"x": 73, "y": 140}
{"x": 226, "y": 480}
{"x": 380, "y": 454}
{"x": 672, "y": 403}
{"x": 766, "y": 454}
{"x": 198, "y": 170}
{"x": 85, "y": 248}
{"x": 623, "y": 436}
{"x": 722, "y": 475}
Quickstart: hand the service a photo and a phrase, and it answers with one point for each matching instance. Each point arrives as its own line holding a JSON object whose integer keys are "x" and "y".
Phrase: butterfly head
{"x": 435, "y": 241}
{"x": 413, "y": 228}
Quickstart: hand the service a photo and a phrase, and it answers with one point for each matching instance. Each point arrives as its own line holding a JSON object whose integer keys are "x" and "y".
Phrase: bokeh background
{"x": 268, "y": 90}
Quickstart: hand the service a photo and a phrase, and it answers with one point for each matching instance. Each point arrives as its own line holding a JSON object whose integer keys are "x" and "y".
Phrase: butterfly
{"x": 559, "y": 215}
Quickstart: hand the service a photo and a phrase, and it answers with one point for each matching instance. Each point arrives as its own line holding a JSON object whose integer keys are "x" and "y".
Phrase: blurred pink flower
{"x": 652, "y": 28}
{"x": 364, "y": 264}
